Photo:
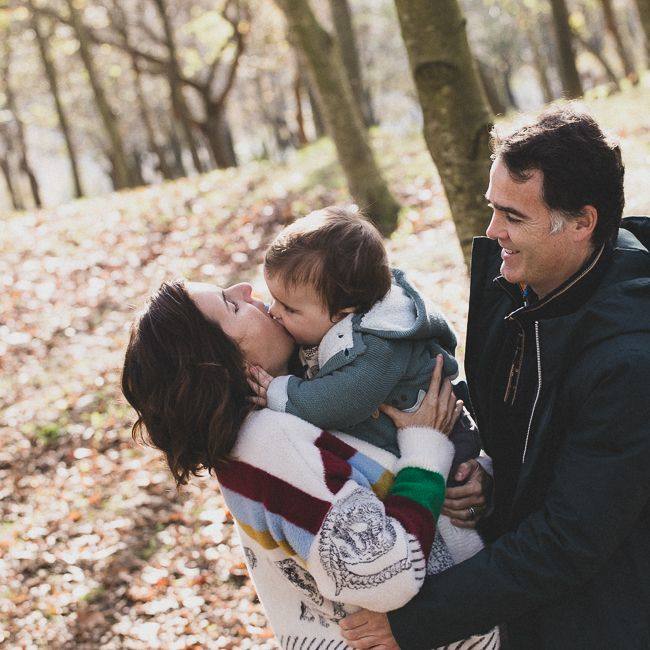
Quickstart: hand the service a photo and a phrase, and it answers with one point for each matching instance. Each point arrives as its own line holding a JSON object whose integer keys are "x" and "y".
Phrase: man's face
{"x": 521, "y": 223}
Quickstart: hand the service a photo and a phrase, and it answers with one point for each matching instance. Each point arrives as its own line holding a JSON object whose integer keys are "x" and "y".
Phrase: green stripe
{"x": 423, "y": 486}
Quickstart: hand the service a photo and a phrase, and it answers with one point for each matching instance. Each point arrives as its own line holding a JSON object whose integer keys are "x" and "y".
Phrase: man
{"x": 558, "y": 369}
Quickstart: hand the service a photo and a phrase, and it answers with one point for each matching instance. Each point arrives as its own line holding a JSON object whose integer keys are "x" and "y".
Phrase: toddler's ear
{"x": 343, "y": 313}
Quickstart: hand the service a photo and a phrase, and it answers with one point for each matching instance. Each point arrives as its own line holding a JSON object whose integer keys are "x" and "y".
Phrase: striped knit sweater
{"x": 329, "y": 523}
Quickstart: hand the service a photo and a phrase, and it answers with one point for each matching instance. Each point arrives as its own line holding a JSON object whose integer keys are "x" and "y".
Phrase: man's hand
{"x": 259, "y": 381}
{"x": 465, "y": 504}
{"x": 368, "y": 630}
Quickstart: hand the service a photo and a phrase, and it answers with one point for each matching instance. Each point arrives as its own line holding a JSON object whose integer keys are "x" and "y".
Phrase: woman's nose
{"x": 274, "y": 311}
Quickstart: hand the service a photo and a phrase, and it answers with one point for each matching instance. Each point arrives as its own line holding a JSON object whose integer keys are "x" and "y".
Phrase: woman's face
{"x": 263, "y": 341}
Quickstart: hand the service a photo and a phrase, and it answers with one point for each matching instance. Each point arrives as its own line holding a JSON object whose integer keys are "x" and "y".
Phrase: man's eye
{"x": 511, "y": 218}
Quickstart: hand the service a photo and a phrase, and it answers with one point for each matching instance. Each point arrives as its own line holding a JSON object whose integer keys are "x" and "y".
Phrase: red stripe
{"x": 415, "y": 518}
{"x": 337, "y": 470}
{"x": 278, "y": 496}
{"x": 331, "y": 443}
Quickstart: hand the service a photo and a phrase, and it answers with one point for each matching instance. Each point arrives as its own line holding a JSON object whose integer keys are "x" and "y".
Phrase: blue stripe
{"x": 367, "y": 467}
{"x": 253, "y": 514}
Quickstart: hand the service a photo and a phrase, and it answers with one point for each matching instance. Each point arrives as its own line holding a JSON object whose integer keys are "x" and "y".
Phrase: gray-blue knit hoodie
{"x": 385, "y": 355}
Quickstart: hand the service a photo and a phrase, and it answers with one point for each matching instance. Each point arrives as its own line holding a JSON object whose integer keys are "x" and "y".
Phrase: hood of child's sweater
{"x": 401, "y": 314}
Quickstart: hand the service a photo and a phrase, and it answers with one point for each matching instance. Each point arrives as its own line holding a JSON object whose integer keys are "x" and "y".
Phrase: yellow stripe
{"x": 265, "y": 539}
{"x": 383, "y": 485}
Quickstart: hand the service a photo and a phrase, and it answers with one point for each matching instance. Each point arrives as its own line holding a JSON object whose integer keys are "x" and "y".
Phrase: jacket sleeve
{"x": 348, "y": 395}
{"x": 599, "y": 487}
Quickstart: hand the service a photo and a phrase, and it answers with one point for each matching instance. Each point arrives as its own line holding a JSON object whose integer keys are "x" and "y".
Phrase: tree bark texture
{"x": 53, "y": 81}
{"x": 497, "y": 105}
{"x": 23, "y": 158}
{"x": 365, "y": 181}
{"x": 457, "y": 119}
{"x": 5, "y": 167}
{"x": 599, "y": 55}
{"x": 175, "y": 86}
{"x": 568, "y": 71}
{"x": 612, "y": 28}
{"x": 540, "y": 64}
{"x": 342, "y": 19}
{"x": 644, "y": 14}
{"x": 218, "y": 134}
{"x": 118, "y": 154}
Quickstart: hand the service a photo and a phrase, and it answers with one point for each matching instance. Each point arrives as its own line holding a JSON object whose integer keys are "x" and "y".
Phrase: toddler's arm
{"x": 347, "y": 395}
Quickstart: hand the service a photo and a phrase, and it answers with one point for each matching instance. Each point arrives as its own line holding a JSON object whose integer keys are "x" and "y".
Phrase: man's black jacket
{"x": 572, "y": 567}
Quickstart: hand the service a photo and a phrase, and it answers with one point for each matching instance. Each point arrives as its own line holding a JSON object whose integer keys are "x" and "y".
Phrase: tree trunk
{"x": 316, "y": 113}
{"x": 457, "y": 119}
{"x": 568, "y": 70}
{"x": 219, "y": 136}
{"x": 612, "y": 28}
{"x": 12, "y": 107}
{"x": 344, "y": 124}
{"x": 300, "y": 116}
{"x": 342, "y": 19}
{"x": 14, "y": 194}
{"x": 177, "y": 151}
{"x": 644, "y": 14}
{"x": 507, "y": 73}
{"x": 497, "y": 105}
{"x": 540, "y": 64}
{"x": 119, "y": 158}
{"x": 179, "y": 104}
{"x": 600, "y": 57}
{"x": 52, "y": 78}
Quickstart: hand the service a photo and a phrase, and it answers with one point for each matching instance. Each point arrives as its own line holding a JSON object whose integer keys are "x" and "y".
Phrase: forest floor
{"x": 97, "y": 550}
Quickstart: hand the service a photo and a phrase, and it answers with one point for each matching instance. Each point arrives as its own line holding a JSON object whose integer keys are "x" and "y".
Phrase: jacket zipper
{"x": 539, "y": 389}
{"x": 515, "y": 368}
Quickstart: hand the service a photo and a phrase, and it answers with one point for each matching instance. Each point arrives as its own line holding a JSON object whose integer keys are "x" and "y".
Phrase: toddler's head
{"x": 321, "y": 268}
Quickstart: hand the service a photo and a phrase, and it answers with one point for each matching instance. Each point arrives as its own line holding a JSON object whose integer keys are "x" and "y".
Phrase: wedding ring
{"x": 472, "y": 512}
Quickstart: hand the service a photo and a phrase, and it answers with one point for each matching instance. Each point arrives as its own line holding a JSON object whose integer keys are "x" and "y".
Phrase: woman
{"x": 328, "y": 523}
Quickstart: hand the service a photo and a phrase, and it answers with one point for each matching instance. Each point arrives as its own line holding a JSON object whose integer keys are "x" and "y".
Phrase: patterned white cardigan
{"x": 330, "y": 524}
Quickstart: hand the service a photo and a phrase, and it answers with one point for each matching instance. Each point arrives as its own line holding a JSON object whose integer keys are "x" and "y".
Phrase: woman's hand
{"x": 439, "y": 410}
{"x": 259, "y": 381}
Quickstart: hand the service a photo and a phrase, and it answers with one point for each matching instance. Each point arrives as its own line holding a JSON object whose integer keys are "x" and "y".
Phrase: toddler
{"x": 365, "y": 335}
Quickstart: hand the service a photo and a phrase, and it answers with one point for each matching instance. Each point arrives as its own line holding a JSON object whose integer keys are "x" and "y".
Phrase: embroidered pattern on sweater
{"x": 355, "y": 533}
{"x": 439, "y": 557}
{"x": 250, "y": 557}
{"x": 301, "y": 579}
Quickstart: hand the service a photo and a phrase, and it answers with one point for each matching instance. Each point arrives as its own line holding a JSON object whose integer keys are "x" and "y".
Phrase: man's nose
{"x": 494, "y": 229}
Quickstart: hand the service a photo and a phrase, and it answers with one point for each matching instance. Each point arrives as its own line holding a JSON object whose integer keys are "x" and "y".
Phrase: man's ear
{"x": 585, "y": 224}
{"x": 342, "y": 313}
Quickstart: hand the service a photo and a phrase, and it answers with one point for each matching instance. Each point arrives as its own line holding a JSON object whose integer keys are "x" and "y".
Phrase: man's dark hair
{"x": 186, "y": 380}
{"x": 580, "y": 166}
{"x": 336, "y": 251}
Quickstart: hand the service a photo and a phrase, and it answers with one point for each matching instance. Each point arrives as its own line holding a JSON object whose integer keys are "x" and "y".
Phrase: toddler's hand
{"x": 258, "y": 380}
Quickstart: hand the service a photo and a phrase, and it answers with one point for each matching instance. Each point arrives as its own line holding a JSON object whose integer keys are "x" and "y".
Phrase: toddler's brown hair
{"x": 337, "y": 252}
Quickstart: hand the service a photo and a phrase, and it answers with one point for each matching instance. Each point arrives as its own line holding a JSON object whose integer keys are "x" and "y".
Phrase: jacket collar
{"x": 566, "y": 298}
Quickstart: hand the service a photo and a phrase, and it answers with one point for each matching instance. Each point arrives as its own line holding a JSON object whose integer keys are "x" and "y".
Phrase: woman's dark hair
{"x": 186, "y": 379}
{"x": 580, "y": 166}
{"x": 336, "y": 251}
